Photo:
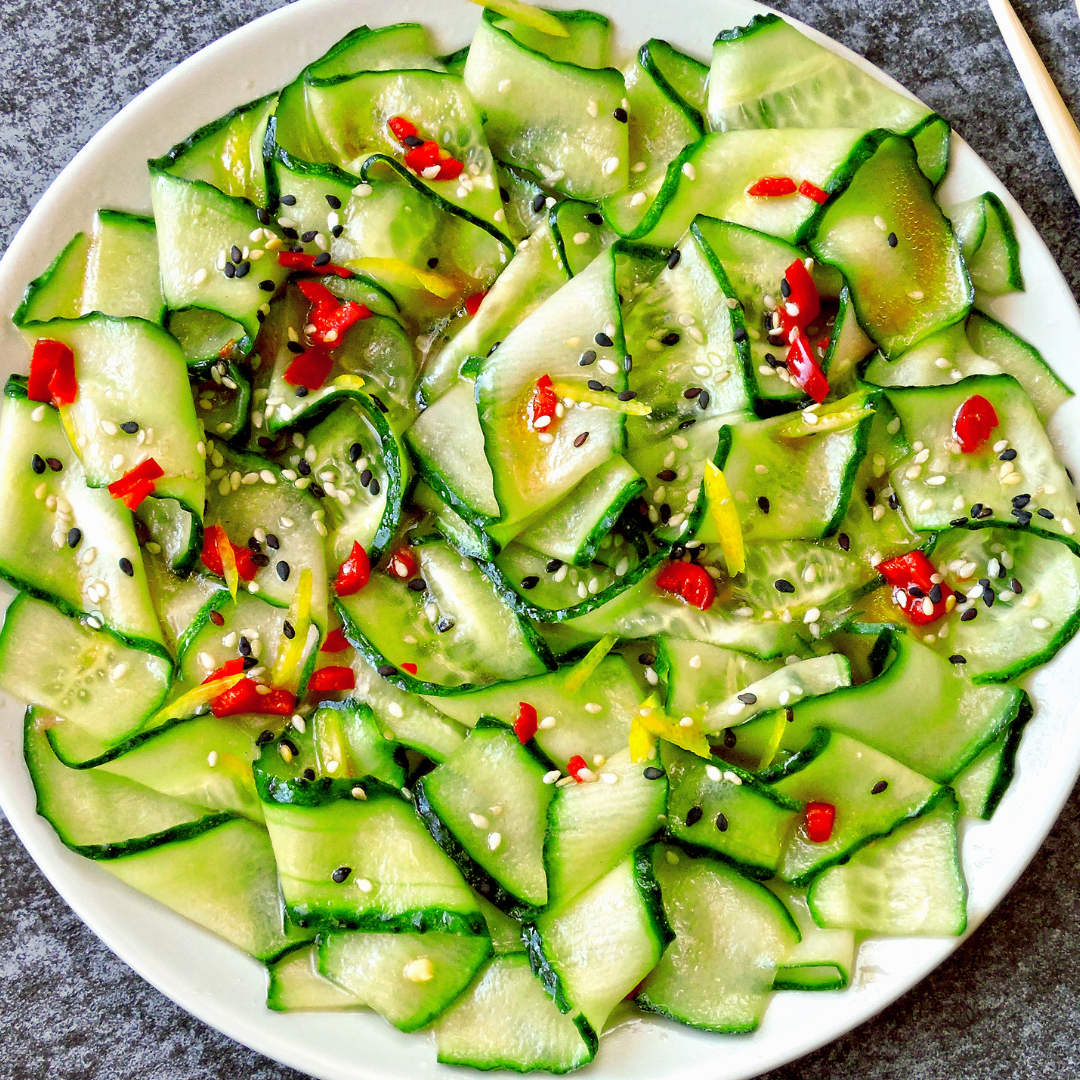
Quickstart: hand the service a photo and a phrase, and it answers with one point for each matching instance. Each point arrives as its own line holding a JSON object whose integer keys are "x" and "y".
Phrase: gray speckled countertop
{"x": 1005, "y": 1007}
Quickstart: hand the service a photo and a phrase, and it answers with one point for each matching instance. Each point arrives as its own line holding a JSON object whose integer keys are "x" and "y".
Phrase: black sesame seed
{"x": 530, "y": 582}
{"x": 687, "y": 424}
{"x": 628, "y": 363}
{"x": 1020, "y": 501}
{"x": 494, "y": 347}
{"x": 230, "y": 270}
{"x": 303, "y": 467}
{"x": 538, "y": 203}
{"x": 915, "y": 592}
{"x": 366, "y": 477}
{"x": 894, "y": 502}
{"x": 603, "y": 340}
{"x": 283, "y": 570}
{"x": 37, "y": 463}
{"x": 374, "y": 487}
{"x": 127, "y": 568}
{"x": 250, "y": 662}
{"x": 703, "y": 399}
{"x": 244, "y": 648}
{"x": 844, "y": 541}
{"x": 693, "y": 815}
{"x": 673, "y": 259}
{"x": 763, "y": 504}
{"x": 729, "y": 739}
{"x": 957, "y": 522}
{"x": 1044, "y": 513}
{"x": 893, "y": 241}
{"x": 721, "y": 822}
{"x": 308, "y": 774}
{"x": 740, "y": 334}
{"x": 337, "y": 230}
{"x": 1023, "y": 517}
{"x": 785, "y": 288}
{"x": 670, "y": 339}
{"x": 968, "y": 615}
{"x": 667, "y": 475}
{"x": 783, "y": 585}
{"x": 290, "y": 234}
{"x": 386, "y": 670}
{"x": 986, "y": 511}
{"x": 879, "y": 787}
{"x": 217, "y": 618}
{"x": 1016, "y": 586}
{"x": 288, "y": 629}
{"x": 417, "y": 585}
{"x": 586, "y": 358}
{"x": 242, "y": 269}
{"x": 504, "y": 195}
{"x": 580, "y": 440}
{"x": 691, "y": 392}
{"x": 264, "y": 737}
{"x": 1007, "y": 455}
{"x": 236, "y": 254}
{"x": 629, "y": 395}
{"x": 748, "y": 698}
{"x": 956, "y": 658}
{"x": 267, "y": 285}
{"x": 443, "y": 625}
{"x": 259, "y": 559}
{"x": 646, "y": 658}
{"x": 961, "y": 598}
{"x": 653, "y": 773}
{"x": 129, "y": 427}
{"x": 333, "y": 202}
{"x": 322, "y": 259}
{"x": 341, "y": 874}
{"x": 984, "y": 582}
{"x": 262, "y": 215}
{"x": 593, "y": 218}
{"x": 665, "y": 513}
{"x": 553, "y": 565}
{"x": 413, "y": 141}
{"x": 870, "y": 495}
{"x": 356, "y": 451}
{"x": 288, "y": 200}
{"x": 73, "y": 537}
{"x": 301, "y": 391}
{"x": 595, "y": 384}
{"x": 976, "y": 509}
{"x": 935, "y": 595}
{"x": 308, "y": 236}
{"x": 620, "y": 115}
{"x": 988, "y": 597}
{"x": 295, "y": 347}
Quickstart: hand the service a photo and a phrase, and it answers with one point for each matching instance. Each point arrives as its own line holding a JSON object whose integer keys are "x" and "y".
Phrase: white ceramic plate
{"x": 225, "y": 988}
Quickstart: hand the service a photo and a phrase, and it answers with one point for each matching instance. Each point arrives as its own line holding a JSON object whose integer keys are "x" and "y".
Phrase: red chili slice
{"x": 574, "y": 767}
{"x": 805, "y": 371}
{"x": 472, "y": 303}
{"x": 403, "y": 564}
{"x": 211, "y": 555}
{"x": 354, "y": 573}
{"x": 45, "y": 361}
{"x": 689, "y": 582}
{"x": 430, "y": 154}
{"x": 335, "y": 642}
{"x": 769, "y": 187}
{"x": 328, "y": 679}
{"x": 819, "y": 820}
{"x": 230, "y": 667}
{"x": 410, "y": 668}
{"x": 136, "y": 484}
{"x": 525, "y": 724}
{"x": 914, "y": 571}
{"x": 812, "y": 191}
{"x": 973, "y": 423}
{"x": 310, "y": 369}
{"x": 244, "y": 697}
{"x": 402, "y": 128}
{"x": 297, "y": 260}
{"x": 802, "y": 296}
{"x": 543, "y": 405}
{"x": 329, "y": 316}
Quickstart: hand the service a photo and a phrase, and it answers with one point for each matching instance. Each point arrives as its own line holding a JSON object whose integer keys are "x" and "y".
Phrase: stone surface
{"x": 1005, "y": 1007}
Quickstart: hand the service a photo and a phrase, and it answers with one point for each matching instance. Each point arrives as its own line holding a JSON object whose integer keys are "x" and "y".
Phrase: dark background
{"x": 1007, "y": 1005}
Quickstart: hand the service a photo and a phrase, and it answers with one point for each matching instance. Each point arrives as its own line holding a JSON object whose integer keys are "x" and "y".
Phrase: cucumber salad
{"x": 513, "y": 543}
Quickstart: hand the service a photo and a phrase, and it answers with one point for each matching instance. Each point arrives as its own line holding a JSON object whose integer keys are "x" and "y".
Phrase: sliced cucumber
{"x": 183, "y": 605}
{"x": 982, "y": 785}
{"x": 824, "y": 959}
{"x": 726, "y": 812}
{"x": 386, "y": 48}
{"x": 98, "y": 685}
{"x": 223, "y": 393}
{"x": 295, "y": 985}
{"x": 410, "y": 979}
{"x": 593, "y": 825}
{"x": 590, "y": 954}
{"x": 848, "y": 347}
{"x": 463, "y": 536}
{"x": 551, "y": 116}
{"x": 444, "y": 629}
{"x": 204, "y": 336}
{"x": 848, "y": 775}
{"x": 569, "y": 725}
{"x": 988, "y": 240}
{"x": 699, "y": 675}
{"x": 981, "y": 478}
{"x": 222, "y": 879}
{"x": 129, "y": 370}
{"x": 57, "y": 293}
{"x": 768, "y": 75}
{"x": 731, "y": 937}
{"x": 505, "y": 1020}
{"x": 904, "y": 293}
{"x": 907, "y": 884}
{"x": 102, "y": 816}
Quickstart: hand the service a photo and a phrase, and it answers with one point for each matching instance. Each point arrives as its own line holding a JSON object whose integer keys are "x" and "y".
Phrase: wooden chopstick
{"x": 1059, "y": 125}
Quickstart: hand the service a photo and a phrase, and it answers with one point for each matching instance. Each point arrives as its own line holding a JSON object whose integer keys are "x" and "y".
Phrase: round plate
{"x": 227, "y": 989}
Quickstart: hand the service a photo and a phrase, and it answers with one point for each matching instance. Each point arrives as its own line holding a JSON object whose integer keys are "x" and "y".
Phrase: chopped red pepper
{"x": 430, "y": 154}
{"x": 689, "y": 582}
{"x": 974, "y": 421}
{"x": 136, "y": 484}
{"x": 769, "y": 187}
{"x": 472, "y": 303}
{"x": 244, "y": 697}
{"x": 410, "y": 668}
{"x": 525, "y": 724}
{"x": 310, "y": 369}
{"x": 354, "y": 573}
{"x": 802, "y": 296}
{"x": 230, "y": 667}
{"x": 211, "y": 555}
{"x": 805, "y": 371}
{"x": 820, "y": 817}
{"x": 543, "y": 405}
{"x": 574, "y": 767}
{"x": 911, "y": 577}
{"x": 328, "y": 679}
{"x": 43, "y": 364}
{"x": 330, "y": 317}
{"x": 297, "y": 260}
{"x": 336, "y": 641}
{"x": 812, "y": 191}
{"x": 403, "y": 564}
{"x": 403, "y": 129}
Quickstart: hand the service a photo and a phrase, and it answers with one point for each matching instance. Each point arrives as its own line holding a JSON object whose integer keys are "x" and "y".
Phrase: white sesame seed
{"x": 479, "y": 821}
{"x": 689, "y": 171}
{"x": 732, "y": 778}
{"x": 546, "y": 723}
{"x": 1040, "y": 623}
{"x": 610, "y": 165}
{"x": 212, "y": 758}
{"x": 695, "y": 661}
{"x": 551, "y": 777}
{"x": 936, "y": 481}
{"x": 592, "y": 707}
{"x": 545, "y": 438}
{"x": 419, "y": 971}
{"x": 494, "y": 840}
